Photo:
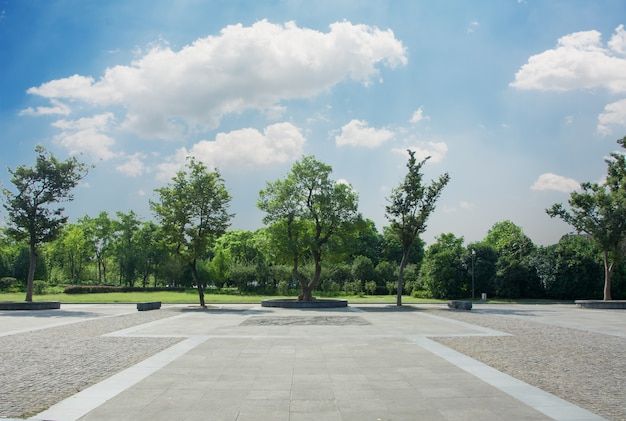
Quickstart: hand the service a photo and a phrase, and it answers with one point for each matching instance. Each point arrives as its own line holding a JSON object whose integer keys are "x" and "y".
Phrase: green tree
{"x": 149, "y": 250}
{"x": 484, "y": 265}
{"x": 410, "y": 205}
{"x": 193, "y": 211}
{"x": 443, "y": 271}
{"x": 32, "y": 212}
{"x": 73, "y": 250}
{"x": 599, "y": 210}
{"x": 515, "y": 276}
{"x": 103, "y": 236}
{"x": 363, "y": 269}
{"x": 312, "y": 209}
{"x": 126, "y": 246}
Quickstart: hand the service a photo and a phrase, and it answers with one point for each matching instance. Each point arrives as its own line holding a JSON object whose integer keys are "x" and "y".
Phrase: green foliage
{"x": 353, "y": 287}
{"x": 421, "y": 293}
{"x": 306, "y": 211}
{"x": 484, "y": 266}
{"x": 570, "y": 269}
{"x": 443, "y": 272}
{"x": 385, "y": 272}
{"x": 391, "y": 287}
{"x": 362, "y": 268}
{"x": 39, "y": 286}
{"x": 192, "y": 211}
{"x": 410, "y": 206}
{"x": 392, "y": 248}
{"x": 600, "y": 212}
{"x": 32, "y": 212}
{"x": 9, "y": 284}
{"x": 370, "y": 287}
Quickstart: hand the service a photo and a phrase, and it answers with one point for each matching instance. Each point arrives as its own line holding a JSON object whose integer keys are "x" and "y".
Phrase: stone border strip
{"x": 540, "y": 400}
{"x": 88, "y": 399}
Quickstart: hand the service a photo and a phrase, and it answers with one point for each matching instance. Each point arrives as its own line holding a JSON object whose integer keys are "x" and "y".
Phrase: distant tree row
{"x": 314, "y": 239}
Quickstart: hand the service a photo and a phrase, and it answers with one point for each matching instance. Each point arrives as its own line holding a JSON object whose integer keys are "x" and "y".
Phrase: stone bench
{"x": 152, "y": 305}
{"x": 600, "y": 304}
{"x": 459, "y": 305}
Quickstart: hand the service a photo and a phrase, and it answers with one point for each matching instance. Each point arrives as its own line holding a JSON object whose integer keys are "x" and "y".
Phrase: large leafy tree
{"x": 33, "y": 213}
{"x": 410, "y": 205}
{"x": 127, "y": 247}
{"x": 193, "y": 211}
{"x": 599, "y": 210}
{"x": 443, "y": 270}
{"x": 312, "y": 209}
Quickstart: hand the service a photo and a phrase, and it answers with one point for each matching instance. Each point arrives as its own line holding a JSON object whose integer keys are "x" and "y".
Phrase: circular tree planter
{"x": 294, "y": 303}
{"x": 26, "y": 305}
{"x": 612, "y": 304}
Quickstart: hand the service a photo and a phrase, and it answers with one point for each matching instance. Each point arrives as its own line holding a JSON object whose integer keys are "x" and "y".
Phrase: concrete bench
{"x": 459, "y": 305}
{"x": 152, "y": 305}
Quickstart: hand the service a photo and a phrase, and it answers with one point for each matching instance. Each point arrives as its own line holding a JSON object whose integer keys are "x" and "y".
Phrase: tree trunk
{"x": 400, "y": 286}
{"x": 32, "y": 263}
{"x": 608, "y": 271}
{"x": 194, "y": 274}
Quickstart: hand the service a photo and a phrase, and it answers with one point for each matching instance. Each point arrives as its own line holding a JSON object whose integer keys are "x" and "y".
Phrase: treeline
{"x": 124, "y": 251}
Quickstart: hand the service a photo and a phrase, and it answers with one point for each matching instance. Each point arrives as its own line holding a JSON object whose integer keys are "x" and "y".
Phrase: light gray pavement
{"x": 248, "y": 362}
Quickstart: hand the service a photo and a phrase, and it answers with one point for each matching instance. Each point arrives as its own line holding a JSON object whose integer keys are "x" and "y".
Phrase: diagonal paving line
{"x": 538, "y": 399}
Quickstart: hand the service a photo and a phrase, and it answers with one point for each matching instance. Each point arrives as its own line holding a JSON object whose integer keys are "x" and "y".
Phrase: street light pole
{"x": 473, "y": 257}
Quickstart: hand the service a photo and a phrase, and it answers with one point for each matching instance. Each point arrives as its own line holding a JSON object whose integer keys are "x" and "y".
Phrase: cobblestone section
{"x": 40, "y": 368}
{"x": 584, "y": 368}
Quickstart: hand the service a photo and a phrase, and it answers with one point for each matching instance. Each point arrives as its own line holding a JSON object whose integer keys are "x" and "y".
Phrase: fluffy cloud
{"x": 86, "y": 135}
{"x": 579, "y": 61}
{"x": 55, "y": 108}
{"x": 167, "y": 92}
{"x": 358, "y": 133}
{"x": 435, "y": 150}
{"x": 279, "y": 143}
{"x": 418, "y": 116}
{"x": 133, "y": 166}
{"x": 614, "y": 114}
{"x": 549, "y": 181}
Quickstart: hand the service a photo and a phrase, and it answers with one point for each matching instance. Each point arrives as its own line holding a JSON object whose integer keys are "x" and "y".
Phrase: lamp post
{"x": 473, "y": 257}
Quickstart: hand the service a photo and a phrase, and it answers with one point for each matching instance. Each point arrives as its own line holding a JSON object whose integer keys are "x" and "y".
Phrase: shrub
{"x": 391, "y": 287}
{"x": 283, "y": 287}
{"x": 8, "y": 284}
{"x": 370, "y": 287}
{"x": 362, "y": 268}
{"x": 39, "y": 287}
{"x": 243, "y": 276}
{"x": 421, "y": 293}
{"x": 330, "y": 286}
{"x": 353, "y": 287}
{"x": 94, "y": 289}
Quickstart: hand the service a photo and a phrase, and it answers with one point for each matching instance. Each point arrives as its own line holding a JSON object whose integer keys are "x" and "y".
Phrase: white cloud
{"x": 549, "y": 181}
{"x": 617, "y": 43}
{"x": 614, "y": 114}
{"x": 141, "y": 193}
{"x": 418, "y": 116}
{"x": 435, "y": 150}
{"x": 358, "y": 133}
{"x": 279, "y": 143}
{"x": 579, "y": 61}
{"x": 568, "y": 119}
{"x": 165, "y": 92}
{"x": 472, "y": 27}
{"x": 56, "y": 108}
{"x": 86, "y": 135}
{"x": 134, "y": 166}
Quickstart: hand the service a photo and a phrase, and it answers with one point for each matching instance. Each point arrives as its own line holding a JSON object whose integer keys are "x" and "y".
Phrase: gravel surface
{"x": 40, "y": 368}
{"x": 585, "y": 368}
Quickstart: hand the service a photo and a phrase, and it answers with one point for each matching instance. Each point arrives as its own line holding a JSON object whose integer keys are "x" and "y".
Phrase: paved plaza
{"x": 245, "y": 362}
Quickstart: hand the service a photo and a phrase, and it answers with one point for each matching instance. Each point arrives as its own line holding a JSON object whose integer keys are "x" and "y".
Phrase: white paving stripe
{"x": 540, "y": 400}
{"x": 89, "y": 399}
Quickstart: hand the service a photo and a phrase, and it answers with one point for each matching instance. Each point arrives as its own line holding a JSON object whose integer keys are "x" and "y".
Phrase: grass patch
{"x": 191, "y": 297}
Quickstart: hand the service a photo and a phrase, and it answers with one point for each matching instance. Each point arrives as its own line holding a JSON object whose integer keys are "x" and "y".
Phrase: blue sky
{"x": 517, "y": 100}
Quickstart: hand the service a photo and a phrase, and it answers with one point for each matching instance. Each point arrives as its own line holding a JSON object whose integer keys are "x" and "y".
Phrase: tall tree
{"x": 313, "y": 208}
{"x": 193, "y": 211}
{"x": 127, "y": 246}
{"x": 103, "y": 234}
{"x": 410, "y": 205}
{"x": 32, "y": 212}
{"x": 599, "y": 210}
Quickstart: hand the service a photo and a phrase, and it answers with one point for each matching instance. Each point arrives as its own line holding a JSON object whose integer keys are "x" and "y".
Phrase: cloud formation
{"x": 166, "y": 93}
{"x": 357, "y": 133}
{"x": 244, "y": 148}
{"x": 579, "y": 61}
{"x": 554, "y": 182}
{"x": 133, "y": 166}
{"x": 418, "y": 116}
{"x": 87, "y": 136}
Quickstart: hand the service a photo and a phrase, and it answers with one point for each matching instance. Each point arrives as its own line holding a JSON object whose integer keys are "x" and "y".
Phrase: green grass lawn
{"x": 190, "y": 296}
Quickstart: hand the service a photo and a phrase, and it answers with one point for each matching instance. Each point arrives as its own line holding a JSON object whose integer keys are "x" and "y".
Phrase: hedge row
{"x": 89, "y": 289}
